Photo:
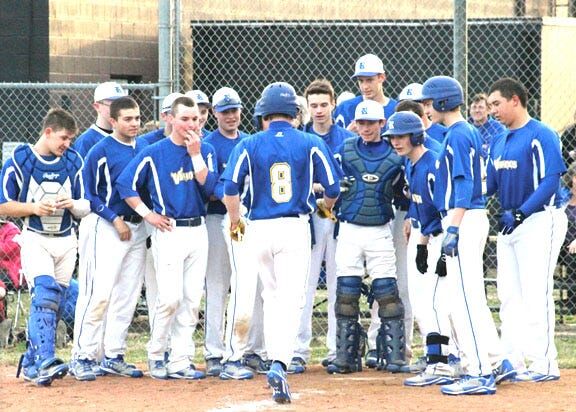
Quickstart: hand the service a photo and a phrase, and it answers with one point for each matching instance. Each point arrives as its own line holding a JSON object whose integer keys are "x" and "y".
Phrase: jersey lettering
{"x": 181, "y": 176}
{"x": 505, "y": 164}
{"x": 281, "y": 182}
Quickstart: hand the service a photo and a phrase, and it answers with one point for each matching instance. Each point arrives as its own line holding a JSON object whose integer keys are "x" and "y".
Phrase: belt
{"x": 191, "y": 222}
{"x": 51, "y": 234}
{"x": 132, "y": 219}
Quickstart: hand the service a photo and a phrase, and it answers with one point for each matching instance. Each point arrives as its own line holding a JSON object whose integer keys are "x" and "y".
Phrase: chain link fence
{"x": 249, "y": 54}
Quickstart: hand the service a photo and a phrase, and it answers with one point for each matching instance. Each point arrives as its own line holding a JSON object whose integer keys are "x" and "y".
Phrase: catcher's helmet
{"x": 445, "y": 92}
{"x": 257, "y": 117}
{"x": 402, "y": 123}
{"x": 279, "y": 98}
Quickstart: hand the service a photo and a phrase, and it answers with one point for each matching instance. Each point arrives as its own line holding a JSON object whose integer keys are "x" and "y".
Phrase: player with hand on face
{"x": 320, "y": 96}
{"x": 178, "y": 173}
{"x": 458, "y": 197}
{"x": 42, "y": 183}
{"x": 370, "y": 75}
{"x": 524, "y": 171}
{"x": 281, "y": 163}
{"x": 105, "y": 309}
{"x": 365, "y": 244}
{"x": 428, "y": 292}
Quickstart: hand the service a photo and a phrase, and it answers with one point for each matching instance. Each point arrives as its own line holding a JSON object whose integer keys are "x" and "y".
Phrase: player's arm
{"x": 232, "y": 178}
{"x": 160, "y": 222}
{"x": 76, "y": 204}
{"x": 203, "y": 162}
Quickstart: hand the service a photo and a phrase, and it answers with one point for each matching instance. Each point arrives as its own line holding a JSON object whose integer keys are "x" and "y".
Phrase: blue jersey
{"x": 282, "y": 163}
{"x": 223, "y": 147}
{"x": 459, "y": 159}
{"x": 154, "y": 136}
{"x": 88, "y": 139}
{"x": 437, "y": 132}
{"x": 345, "y": 111}
{"x": 28, "y": 177}
{"x": 488, "y": 131}
{"x": 520, "y": 160}
{"x": 375, "y": 171}
{"x": 420, "y": 178}
{"x": 432, "y": 144}
{"x": 335, "y": 136}
{"x": 103, "y": 165}
{"x": 165, "y": 171}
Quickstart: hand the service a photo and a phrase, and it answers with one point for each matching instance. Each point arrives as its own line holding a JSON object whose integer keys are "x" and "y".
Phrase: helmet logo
{"x": 370, "y": 178}
{"x": 391, "y": 124}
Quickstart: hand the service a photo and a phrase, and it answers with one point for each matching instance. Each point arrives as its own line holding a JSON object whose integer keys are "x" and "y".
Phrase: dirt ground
{"x": 312, "y": 391}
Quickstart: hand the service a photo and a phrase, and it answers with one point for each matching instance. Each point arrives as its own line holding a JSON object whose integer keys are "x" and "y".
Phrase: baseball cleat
{"x": 236, "y": 370}
{"x": 189, "y": 373}
{"x": 81, "y": 369}
{"x": 531, "y": 376}
{"x": 471, "y": 385}
{"x": 504, "y": 372}
{"x": 213, "y": 366}
{"x": 298, "y": 365}
{"x": 49, "y": 370}
{"x": 435, "y": 374}
{"x": 157, "y": 369}
{"x": 371, "y": 360}
{"x": 256, "y": 363}
{"x": 277, "y": 380}
{"x": 117, "y": 366}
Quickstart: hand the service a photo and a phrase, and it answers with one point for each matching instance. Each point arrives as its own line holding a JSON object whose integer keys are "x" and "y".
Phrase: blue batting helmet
{"x": 444, "y": 91}
{"x": 257, "y": 117}
{"x": 402, "y": 123}
{"x": 279, "y": 98}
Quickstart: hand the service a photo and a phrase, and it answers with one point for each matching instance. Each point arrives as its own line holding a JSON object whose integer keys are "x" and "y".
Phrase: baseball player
{"x": 281, "y": 164}
{"x": 488, "y": 127}
{"x": 428, "y": 292}
{"x": 370, "y": 74}
{"x": 524, "y": 170}
{"x": 103, "y": 96}
{"x": 111, "y": 275}
{"x": 413, "y": 93}
{"x": 203, "y": 106}
{"x": 365, "y": 244}
{"x": 321, "y": 100}
{"x": 178, "y": 173}
{"x": 42, "y": 183}
{"x": 458, "y": 197}
{"x": 227, "y": 108}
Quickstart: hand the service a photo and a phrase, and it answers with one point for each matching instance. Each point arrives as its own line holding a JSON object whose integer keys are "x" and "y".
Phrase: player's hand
{"x": 324, "y": 211}
{"x": 237, "y": 230}
{"x": 572, "y": 247}
{"x": 422, "y": 258}
{"x": 441, "y": 266}
{"x": 193, "y": 142}
{"x": 64, "y": 202}
{"x": 346, "y": 183}
{"x": 160, "y": 222}
{"x": 44, "y": 208}
{"x": 317, "y": 188}
{"x": 510, "y": 220}
{"x": 122, "y": 229}
{"x": 450, "y": 242}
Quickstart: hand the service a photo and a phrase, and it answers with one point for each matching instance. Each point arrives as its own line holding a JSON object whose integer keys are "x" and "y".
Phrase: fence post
{"x": 461, "y": 46}
{"x": 164, "y": 60}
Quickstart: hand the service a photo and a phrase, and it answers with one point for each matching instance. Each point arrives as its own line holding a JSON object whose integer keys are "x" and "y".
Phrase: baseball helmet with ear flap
{"x": 406, "y": 123}
{"x": 444, "y": 91}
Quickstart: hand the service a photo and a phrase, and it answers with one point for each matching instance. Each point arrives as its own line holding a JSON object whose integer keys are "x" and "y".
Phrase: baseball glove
{"x": 324, "y": 211}
{"x": 237, "y": 234}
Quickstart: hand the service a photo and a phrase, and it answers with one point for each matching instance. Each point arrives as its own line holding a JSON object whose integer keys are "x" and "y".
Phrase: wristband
{"x": 198, "y": 163}
{"x": 142, "y": 210}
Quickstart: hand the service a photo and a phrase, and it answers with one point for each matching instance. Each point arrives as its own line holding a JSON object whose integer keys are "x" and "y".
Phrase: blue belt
{"x": 191, "y": 222}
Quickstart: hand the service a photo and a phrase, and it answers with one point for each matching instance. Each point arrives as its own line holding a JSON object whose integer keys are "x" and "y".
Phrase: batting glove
{"x": 422, "y": 258}
{"x": 510, "y": 220}
{"x": 237, "y": 234}
{"x": 450, "y": 242}
{"x": 346, "y": 183}
{"x": 324, "y": 211}
{"x": 441, "y": 266}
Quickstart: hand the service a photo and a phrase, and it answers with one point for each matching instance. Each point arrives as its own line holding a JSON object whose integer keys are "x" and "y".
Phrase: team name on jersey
{"x": 416, "y": 198}
{"x": 182, "y": 176}
{"x": 50, "y": 176}
{"x": 505, "y": 164}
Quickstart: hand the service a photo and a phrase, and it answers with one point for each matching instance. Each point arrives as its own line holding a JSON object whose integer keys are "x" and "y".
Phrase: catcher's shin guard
{"x": 350, "y": 343}
{"x": 391, "y": 341}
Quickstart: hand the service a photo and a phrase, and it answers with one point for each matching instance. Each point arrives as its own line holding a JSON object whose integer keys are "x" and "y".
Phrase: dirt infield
{"x": 314, "y": 390}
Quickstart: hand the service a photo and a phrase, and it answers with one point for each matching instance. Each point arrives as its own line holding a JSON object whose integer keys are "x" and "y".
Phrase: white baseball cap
{"x": 168, "y": 100}
{"x": 226, "y": 98}
{"x": 369, "y": 110}
{"x": 109, "y": 91}
{"x": 411, "y": 92}
{"x": 346, "y": 95}
{"x": 198, "y": 96}
{"x": 368, "y": 65}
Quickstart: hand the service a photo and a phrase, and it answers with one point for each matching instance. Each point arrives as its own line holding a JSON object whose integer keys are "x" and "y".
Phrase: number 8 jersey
{"x": 282, "y": 163}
